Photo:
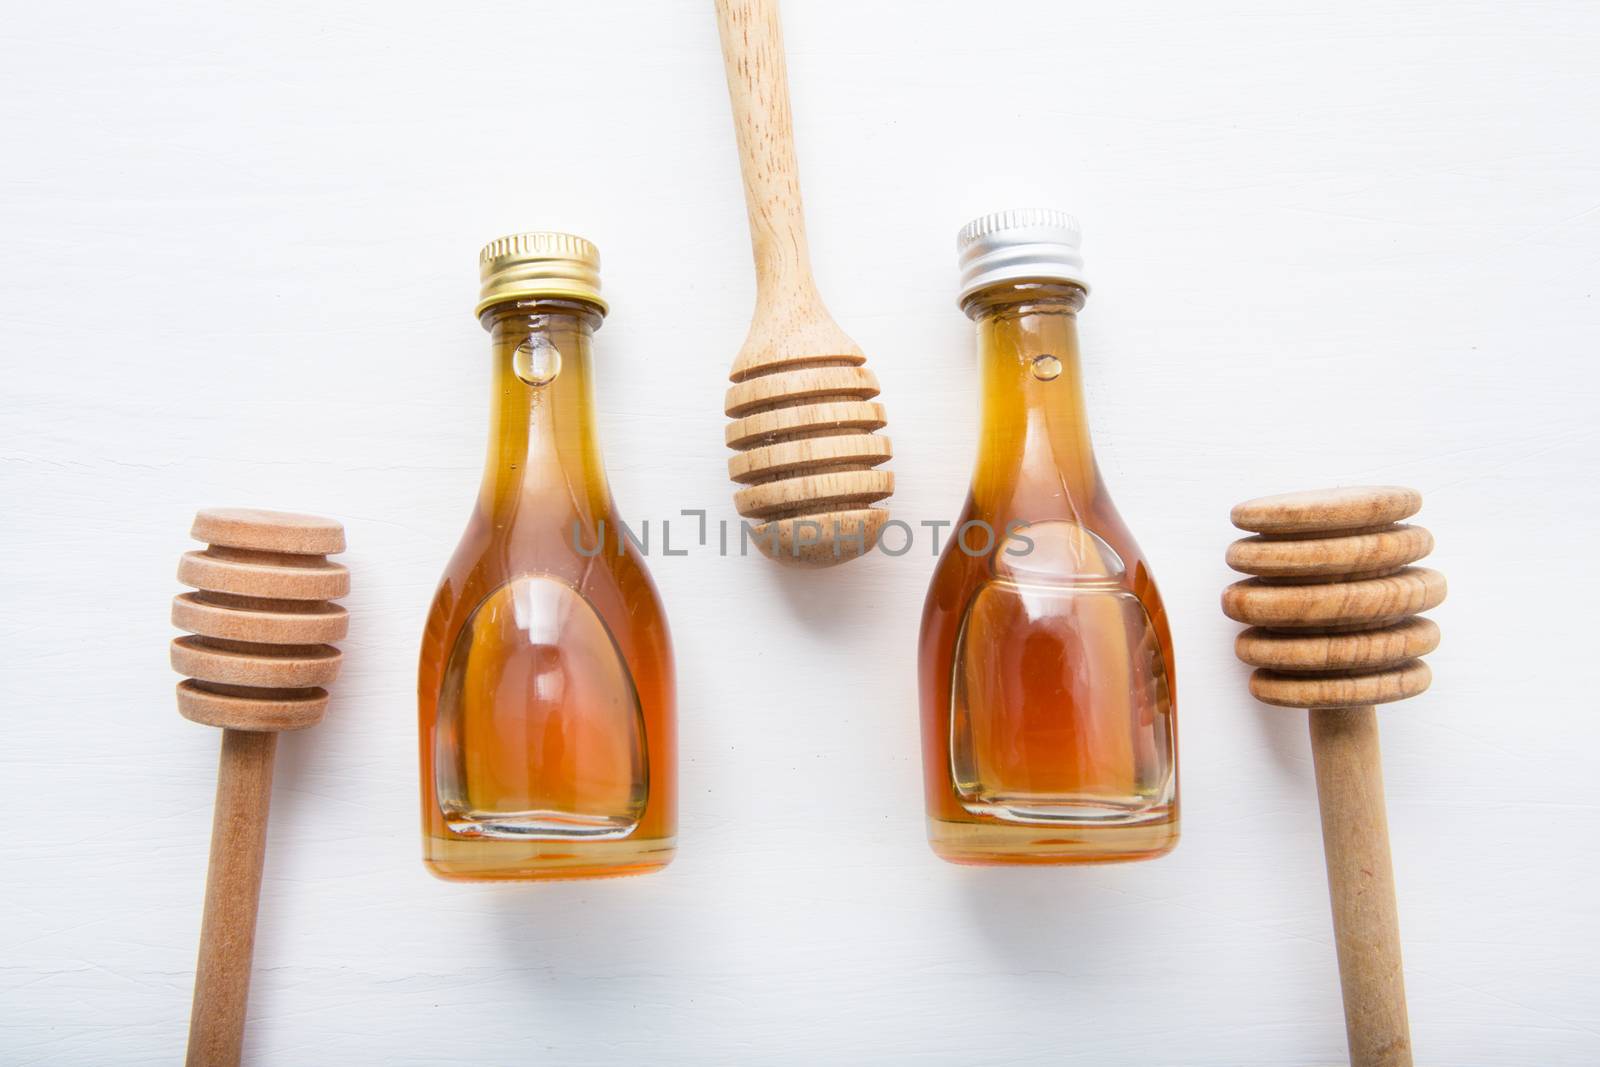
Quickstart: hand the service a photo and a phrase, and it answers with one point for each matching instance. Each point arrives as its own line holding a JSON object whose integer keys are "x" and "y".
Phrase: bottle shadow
{"x": 582, "y": 951}
{"x": 1055, "y": 923}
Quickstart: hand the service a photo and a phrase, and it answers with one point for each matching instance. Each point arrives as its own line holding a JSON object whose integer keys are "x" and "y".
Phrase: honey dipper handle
{"x": 233, "y": 885}
{"x": 758, "y": 86}
{"x": 1366, "y": 927}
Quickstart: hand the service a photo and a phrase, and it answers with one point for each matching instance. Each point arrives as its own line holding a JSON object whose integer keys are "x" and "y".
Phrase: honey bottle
{"x": 1045, "y": 660}
{"x": 546, "y": 691}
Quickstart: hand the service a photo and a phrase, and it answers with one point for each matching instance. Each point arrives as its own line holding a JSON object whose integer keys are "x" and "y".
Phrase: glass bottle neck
{"x": 1034, "y": 452}
{"x": 542, "y": 436}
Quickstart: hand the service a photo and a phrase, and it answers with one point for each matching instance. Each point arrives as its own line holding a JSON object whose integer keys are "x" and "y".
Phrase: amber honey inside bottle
{"x": 1045, "y": 660}
{"x": 546, "y": 688}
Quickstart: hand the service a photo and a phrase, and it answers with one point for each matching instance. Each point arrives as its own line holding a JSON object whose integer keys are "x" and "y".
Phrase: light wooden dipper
{"x": 257, "y": 659}
{"x": 801, "y": 399}
{"x": 1331, "y": 609}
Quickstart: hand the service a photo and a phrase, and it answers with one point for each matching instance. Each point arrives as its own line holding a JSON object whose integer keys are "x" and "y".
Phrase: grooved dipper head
{"x": 259, "y": 621}
{"x": 1331, "y": 607}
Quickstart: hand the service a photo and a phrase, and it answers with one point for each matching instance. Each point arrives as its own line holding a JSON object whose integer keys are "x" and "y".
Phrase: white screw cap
{"x": 1034, "y": 243}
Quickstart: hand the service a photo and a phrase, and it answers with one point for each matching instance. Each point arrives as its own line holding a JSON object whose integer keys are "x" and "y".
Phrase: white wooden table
{"x": 1343, "y": 243}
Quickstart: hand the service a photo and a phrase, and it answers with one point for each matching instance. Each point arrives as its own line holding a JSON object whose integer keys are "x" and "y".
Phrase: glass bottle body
{"x": 1045, "y": 659}
{"x": 546, "y": 692}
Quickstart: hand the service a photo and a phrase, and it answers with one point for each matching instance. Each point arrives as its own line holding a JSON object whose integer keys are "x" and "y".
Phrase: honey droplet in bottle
{"x": 536, "y": 361}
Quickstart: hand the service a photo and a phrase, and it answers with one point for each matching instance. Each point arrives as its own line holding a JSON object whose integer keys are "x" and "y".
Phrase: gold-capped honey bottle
{"x": 546, "y": 691}
{"x": 1045, "y": 660}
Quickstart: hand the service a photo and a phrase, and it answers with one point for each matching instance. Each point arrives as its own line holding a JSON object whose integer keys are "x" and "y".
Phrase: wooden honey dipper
{"x": 257, "y": 658}
{"x": 801, "y": 399}
{"x": 1331, "y": 610}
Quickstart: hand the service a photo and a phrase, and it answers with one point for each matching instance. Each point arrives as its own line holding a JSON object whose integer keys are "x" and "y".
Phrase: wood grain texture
{"x": 1369, "y": 554}
{"x": 267, "y": 576}
{"x": 269, "y": 531}
{"x": 1363, "y": 602}
{"x": 251, "y": 708}
{"x": 1328, "y": 636}
{"x": 1366, "y": 921}
{"x": 809, "y": 453}
{"x": 804, "y": 421}
{"x": 258, "y": 658}
{"x": 248, "y": 664}
{"x": 1379, "y": 686}
{"x": 264, "y": 621}
{"x": 233, "y": 888}
{"x": 791, "y": 325}
{"x": 1358, "y": 650}
{"x": 268, "y": 582}
{"x": 798, "y": 378}
{"x": 1321, "y": 511}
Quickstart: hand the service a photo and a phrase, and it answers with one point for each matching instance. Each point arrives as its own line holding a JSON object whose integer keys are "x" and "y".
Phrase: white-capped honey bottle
{"x": 1045, "y": 663}
{"x": 546, "y": 694}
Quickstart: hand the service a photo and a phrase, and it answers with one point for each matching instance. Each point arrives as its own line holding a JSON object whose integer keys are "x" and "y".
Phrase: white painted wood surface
{"x": 1342, "y": 243}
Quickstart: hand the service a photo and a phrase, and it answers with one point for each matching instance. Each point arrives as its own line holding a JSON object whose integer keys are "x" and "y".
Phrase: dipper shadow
{"x": 819, "y": 597}
{"x": 1283, "y": 730}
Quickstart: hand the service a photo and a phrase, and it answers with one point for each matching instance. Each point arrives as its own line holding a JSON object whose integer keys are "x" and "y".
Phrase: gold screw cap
{"x": 525, "y": 266}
